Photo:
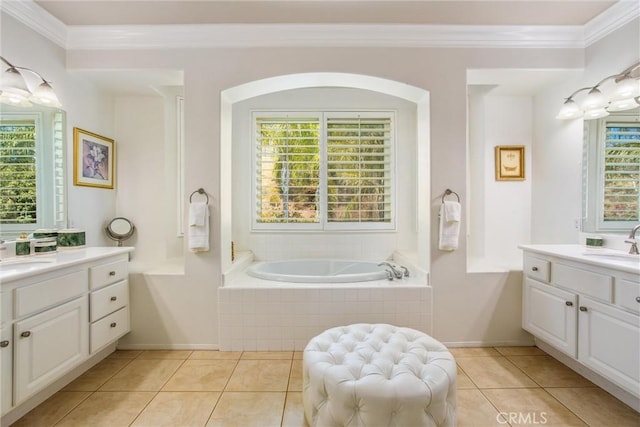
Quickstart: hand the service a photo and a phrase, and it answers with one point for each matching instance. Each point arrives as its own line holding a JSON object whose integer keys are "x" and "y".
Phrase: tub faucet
{"x": 632, "y": 239}
{"x": 395, "y": 271}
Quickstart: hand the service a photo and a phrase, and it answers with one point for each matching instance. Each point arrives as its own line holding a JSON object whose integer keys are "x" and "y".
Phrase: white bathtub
{"x": 318, "y": 271}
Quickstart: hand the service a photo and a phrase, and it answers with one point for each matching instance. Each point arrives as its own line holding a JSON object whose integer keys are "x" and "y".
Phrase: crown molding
{"x": 38, "y": 19}
{"x": 111, "y": 37}
{"x": 317, "y": 35}
{"x": 610, "y": 20}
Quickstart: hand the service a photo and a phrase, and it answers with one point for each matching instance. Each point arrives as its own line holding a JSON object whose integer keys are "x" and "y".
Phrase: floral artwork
{"x": 93, "y": 159}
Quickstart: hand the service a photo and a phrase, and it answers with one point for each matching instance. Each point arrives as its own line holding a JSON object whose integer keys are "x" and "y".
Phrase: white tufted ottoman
{"x": 378, "y": 375}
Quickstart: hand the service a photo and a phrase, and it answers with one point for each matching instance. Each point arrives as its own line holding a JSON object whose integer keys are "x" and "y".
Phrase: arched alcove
{"x": 317, "y": 80}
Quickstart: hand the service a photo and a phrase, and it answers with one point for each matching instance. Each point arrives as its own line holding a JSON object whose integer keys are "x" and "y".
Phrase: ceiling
{"x": 426, "y": 12}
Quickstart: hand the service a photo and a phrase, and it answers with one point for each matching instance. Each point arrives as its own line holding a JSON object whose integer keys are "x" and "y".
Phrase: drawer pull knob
{"x": 637, "y": 299}
{"x": 113, "y": 324}
{"x": 25, "y": 334}
{"x": 568, "y": 303}
{"x": 113, "y": 298}
{"x": 534, "y": 268}
{"x": 112, "y": 273}
{"x": 4, "y": 343}
{"x": 583, "y": 308}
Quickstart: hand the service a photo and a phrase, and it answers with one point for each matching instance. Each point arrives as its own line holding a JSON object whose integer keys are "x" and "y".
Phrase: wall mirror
{"x": 120, "y": 229}
{"x": 611, "y": 173}
{"x": 32, "y": 169}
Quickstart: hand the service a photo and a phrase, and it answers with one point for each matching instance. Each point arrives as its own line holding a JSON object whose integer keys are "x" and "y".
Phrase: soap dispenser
{"x": 23, "y": 245}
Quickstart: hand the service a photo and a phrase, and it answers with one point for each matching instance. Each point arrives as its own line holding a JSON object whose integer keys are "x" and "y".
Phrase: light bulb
{"x": 594, "y": 100}
{"x": 569, "y": 110}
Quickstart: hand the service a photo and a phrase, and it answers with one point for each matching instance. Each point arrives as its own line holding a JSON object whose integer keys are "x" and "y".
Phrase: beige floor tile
{"x": 108, "y": 409}
{"x": 520, "y": 351}
{"x": 295, "y": 380}
{"x": 294, "y": 411}
{"x": 548, "y": 372}
{"x": 201, "y": 375}
{"x": 531, "y": 406}
{"x": 473, "y": 351}
{"x": 178, "y": 409}
{"x": 125, "y": 354}
{"x": 270, "y": 355}
{"x": 215, "y": 355}
{"x": 494, "y": 372}
{"x": 98, "y": 375}
{"x": 463, "y": 380}
{"x": 298, "y": 354}
{"x": 165, "y": 354}
{"x": 260, "y": 375}
{"x": 474, "y": 410}
{"x": 52, "y": 410}
{"x": 248, "y": 409}
{"x": 596, "y": 407}
{"x": 142, "y": 375}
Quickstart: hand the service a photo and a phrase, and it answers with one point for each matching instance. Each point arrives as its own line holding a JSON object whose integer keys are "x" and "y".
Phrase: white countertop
{"x": 20, "y": 267}
{"x": 601, "y": 257}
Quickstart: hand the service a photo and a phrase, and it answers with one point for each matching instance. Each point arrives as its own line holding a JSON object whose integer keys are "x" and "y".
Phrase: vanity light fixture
{"x": 625, "y": 96}
{"x": 14, "y": 89}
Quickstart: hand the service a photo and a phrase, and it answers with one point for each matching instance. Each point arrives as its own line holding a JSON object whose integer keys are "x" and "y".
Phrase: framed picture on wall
{"x": 93, "y": 159}
{"x": 509, "y": 162}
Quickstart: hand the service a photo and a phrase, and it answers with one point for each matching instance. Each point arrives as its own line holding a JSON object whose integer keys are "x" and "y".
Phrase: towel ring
{"x": 448, "y": 192}
{"x": 199, "y": 191}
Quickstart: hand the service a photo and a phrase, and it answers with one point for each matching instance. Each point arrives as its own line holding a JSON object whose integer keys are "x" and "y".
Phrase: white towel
{"x": 198, "y": 227}
{"x": 449, "y": 226}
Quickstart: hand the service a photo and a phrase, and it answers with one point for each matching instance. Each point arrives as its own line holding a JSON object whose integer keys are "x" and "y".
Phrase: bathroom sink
{"x": 612, "y": 255}
{"x": 17, "y": 265}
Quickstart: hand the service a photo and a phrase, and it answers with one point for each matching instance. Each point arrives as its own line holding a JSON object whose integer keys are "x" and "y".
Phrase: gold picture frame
{"x": 94, "y": 158}
{"x": 509, "y": 162}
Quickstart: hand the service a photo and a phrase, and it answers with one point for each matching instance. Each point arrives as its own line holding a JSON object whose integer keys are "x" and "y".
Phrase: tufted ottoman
{"x": 378, "y": 375}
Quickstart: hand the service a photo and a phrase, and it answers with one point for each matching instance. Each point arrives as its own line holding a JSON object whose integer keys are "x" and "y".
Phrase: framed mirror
{"x": 120, "y": 229}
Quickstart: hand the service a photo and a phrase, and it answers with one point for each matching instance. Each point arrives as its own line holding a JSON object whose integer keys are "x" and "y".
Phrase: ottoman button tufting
{"x": 379, "y": 375}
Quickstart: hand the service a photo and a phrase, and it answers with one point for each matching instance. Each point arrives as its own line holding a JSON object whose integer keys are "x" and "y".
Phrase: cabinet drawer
{"x": 107, "y": 300}
{"x": 109, "y": 329}
{"x": 627, "y": 294}
{"x": 537, "y": 268}
{"x": 30, "y": 299}
{"x": 583, "y": 281}
{"x": 105, "y": 274}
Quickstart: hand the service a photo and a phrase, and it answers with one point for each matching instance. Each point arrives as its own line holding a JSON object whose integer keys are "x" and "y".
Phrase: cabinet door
{"x": 48, "y": 345}
{"x": 609, "y": 343}
{"x": 6, "y": 374}
{"x": 550, "y": 314}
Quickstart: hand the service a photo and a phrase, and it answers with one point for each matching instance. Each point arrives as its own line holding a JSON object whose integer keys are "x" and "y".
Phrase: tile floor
{"x": 263, "y": 389}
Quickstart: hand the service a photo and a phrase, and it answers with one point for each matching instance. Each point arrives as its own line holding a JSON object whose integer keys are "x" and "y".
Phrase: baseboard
{"x": 508, "y": 343}
{"x": 134, "y": 346}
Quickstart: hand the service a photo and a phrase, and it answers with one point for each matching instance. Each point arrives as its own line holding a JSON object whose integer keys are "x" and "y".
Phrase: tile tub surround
{"x": 286, "y": 318}
{"x": 214, "y": 388}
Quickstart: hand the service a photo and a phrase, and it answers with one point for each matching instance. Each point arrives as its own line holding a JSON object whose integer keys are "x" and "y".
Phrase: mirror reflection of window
{"x": 32, "y": 172}
{"x": 612, "y": 173}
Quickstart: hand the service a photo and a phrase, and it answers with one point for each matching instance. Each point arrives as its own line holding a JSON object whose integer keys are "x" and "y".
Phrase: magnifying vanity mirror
{"x": 120, "y": 229}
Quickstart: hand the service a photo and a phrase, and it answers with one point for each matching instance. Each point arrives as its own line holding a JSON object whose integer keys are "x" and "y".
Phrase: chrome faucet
{"x": 632, "y": 239}
{"x": 397, "y": 273}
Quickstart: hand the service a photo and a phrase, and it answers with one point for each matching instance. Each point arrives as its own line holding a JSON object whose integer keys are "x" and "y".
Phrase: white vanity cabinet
{"x": 586, "y": 311}
{"x": 51, "y": 322}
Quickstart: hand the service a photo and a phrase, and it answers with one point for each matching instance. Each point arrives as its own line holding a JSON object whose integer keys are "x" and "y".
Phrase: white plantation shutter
{"x": 323, "y": 170}
{"x": 359, "y": 169}
{"x": 621, "y": 174}
{"x": 287, "y": 169}
{"x": 59, "y": 214}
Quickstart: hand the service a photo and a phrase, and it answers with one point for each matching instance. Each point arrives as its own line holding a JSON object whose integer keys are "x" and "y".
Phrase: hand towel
{"x": 197, "y": 213}
{"x": 449, "y": 226}
{"x": 198, "y": 227}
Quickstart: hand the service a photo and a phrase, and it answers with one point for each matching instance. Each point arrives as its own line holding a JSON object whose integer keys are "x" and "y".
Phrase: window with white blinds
{"x": 323, "y": 170}
{"x": 18, "y": 177}
{"x": 621, "y": 173}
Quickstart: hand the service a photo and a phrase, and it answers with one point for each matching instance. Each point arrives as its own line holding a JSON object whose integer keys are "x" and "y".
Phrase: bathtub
{"x": 318, "y": 271}
{"x": 281, "y": 305}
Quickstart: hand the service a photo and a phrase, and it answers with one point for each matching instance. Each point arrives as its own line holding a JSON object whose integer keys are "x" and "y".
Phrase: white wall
{"x": 269, "y": 245}
{"x": 557, "y": 152}
{"x": 500, "y": 212}
{"x": 87, "y": 108}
